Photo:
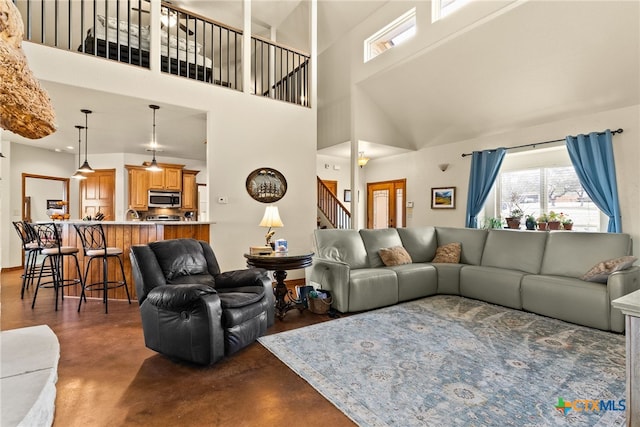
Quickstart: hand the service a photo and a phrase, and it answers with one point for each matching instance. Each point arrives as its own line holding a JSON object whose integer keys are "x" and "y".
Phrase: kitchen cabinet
{"x": 169, "y": 178}
{"x": 189, "y": 190}
{"x": 138, "y": 187}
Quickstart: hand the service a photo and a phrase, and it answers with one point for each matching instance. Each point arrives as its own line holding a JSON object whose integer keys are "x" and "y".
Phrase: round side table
{"x": 279, "y": 263}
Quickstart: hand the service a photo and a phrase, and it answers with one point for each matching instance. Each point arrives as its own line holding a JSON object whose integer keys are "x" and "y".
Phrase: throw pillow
{"x": 396, "y": 255}
{"x": 601, "y": 271}
{"x": 449, "y": 253}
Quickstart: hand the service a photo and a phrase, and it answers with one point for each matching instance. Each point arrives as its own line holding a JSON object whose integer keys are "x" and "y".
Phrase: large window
{"x": 547, "y": 189}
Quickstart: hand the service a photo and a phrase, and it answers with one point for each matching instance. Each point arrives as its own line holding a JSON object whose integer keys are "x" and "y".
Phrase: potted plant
{"x": 514, "y": 220}
{"x": 553, "y": 222}
{"x": 542, "y": 221}
{"x": 567, "y": 223}
{"x": 492, "y": 222}
{"x": 530, "y": 222}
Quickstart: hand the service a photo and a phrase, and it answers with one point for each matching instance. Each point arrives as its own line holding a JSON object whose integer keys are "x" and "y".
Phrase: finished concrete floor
{"x": 107, "y": 377}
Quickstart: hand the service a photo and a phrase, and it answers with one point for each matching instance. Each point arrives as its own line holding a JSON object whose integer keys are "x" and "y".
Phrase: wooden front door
{"x": 97, "y": 194}
{"x": 332, "y": 186}
{"x": 386, "y": 204}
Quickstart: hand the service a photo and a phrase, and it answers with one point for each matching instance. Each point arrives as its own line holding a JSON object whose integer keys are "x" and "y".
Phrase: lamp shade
{"x": 153, "y": 166}
{"x": 271, "y": 217}
{"x": 78, "y": 175}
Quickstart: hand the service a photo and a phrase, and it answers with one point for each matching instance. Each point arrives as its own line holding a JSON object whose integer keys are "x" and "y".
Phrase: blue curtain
{"x": 485, "y": 166}
{"x": 592, "y": 158}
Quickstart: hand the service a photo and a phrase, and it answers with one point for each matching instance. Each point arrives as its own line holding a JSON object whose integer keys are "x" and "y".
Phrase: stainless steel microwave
{"x": 164, "y": 199}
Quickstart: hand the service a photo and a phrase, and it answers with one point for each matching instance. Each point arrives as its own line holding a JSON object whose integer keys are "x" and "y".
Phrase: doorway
{"x": 97, "y": 194}
{"x": 40, "y": 193}
{"x": 331, "y": 185}
{"x": 385, "y": 204}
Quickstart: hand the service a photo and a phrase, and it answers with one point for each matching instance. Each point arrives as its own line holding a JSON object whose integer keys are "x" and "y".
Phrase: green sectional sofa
{"x": 540, "y": 272}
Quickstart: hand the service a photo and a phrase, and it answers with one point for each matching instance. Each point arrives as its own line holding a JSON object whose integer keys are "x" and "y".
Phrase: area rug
{"x": 451, "y": 361}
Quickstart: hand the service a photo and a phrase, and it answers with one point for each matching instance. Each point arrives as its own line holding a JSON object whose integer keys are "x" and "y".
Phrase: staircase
{"x": 336, "y": 214}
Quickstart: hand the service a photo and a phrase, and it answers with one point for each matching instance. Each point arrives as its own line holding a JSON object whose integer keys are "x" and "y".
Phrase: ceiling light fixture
{"x": 85, "y": 168}
{"x": 78, "y": 174}
{"x": 362, "y": 160}
{"x": 153, "y": 167}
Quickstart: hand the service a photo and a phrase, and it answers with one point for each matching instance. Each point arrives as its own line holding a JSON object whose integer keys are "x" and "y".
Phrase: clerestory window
{"x": 442, "y": 8}
{"x": 397, "y": 32}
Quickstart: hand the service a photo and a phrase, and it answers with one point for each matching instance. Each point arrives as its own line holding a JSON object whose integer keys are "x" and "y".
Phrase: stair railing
{"x": 337, "y": 214}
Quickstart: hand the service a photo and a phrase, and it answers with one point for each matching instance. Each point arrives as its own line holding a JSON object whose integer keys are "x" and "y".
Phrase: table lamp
{"x": 271, "y": 219}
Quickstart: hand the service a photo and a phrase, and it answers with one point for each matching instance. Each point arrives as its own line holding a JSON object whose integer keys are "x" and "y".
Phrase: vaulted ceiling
{"x": 540, "y": 62}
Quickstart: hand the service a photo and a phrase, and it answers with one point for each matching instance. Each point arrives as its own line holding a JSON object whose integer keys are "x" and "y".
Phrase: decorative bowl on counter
{"x": 59, "y": 217}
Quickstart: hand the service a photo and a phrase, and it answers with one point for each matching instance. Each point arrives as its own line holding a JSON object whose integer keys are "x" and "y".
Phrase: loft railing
{"x": 279, "y": 72}
{"x": 213, "y": 50}
{"x": 191, "y": 45}
{"x": 330, "y": 206}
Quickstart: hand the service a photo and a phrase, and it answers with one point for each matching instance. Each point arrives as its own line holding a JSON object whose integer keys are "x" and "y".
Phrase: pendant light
{"x": 85, "y": 168}
{"x": 362, "y": 160}
{"x": 153, "y": 167}
{"x": 78, "y": 174}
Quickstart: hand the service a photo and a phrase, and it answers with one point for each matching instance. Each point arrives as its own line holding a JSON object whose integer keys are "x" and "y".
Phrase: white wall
{"x": 422, "y": 172}
{"x": 244, "y": 136}
{"x": 244, "y": 132}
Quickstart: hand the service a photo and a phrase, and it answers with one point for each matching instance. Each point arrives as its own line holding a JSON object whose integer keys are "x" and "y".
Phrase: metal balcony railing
{"x": 279, "y": 72}
{"x": 191, "y": 45}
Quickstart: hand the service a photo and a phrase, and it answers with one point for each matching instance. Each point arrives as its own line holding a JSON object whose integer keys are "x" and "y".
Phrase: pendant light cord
{"x": 153, "y": 167}
{"x": 86, "y": 133}
{"x": 79, "y": 127}
{"x": 154, "y": 134}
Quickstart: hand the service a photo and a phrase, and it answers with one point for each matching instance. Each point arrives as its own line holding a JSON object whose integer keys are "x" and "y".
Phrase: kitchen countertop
{"x": 79, "y": 221}
{"x": 124, "y": 235}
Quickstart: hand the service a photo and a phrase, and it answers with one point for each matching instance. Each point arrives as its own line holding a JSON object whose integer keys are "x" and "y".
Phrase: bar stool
{"x": 31, "y": 250}
{"x": 95, "y": 246}
{"x": 50, "y": 243}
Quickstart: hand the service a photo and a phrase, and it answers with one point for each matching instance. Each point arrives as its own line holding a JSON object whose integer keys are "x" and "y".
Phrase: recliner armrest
{"x": 240, "y": 278}
{"x": 177, "y": 298}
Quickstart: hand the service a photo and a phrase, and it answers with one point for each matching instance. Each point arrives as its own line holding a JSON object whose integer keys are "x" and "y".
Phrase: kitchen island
{"x": 124, "y": 234}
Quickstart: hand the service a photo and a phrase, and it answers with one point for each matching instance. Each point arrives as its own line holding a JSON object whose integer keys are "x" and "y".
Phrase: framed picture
{"x": 347, "y": 196}
{"x": 443, "y": 198}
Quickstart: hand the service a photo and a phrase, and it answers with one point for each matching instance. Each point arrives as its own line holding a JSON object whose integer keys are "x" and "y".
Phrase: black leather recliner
{"x": 190, "y": 310}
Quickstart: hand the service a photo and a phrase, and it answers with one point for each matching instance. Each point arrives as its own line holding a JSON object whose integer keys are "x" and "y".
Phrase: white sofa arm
{"x": 619, "y": 284}
{"x": 332, "y": 276}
